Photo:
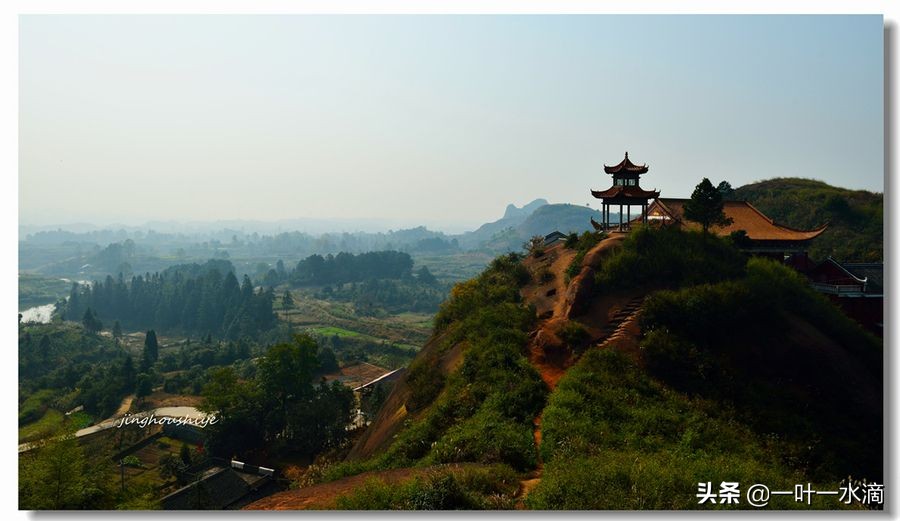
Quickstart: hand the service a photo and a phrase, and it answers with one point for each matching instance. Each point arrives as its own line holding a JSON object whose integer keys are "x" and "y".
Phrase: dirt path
{"x": 553, "y": 366}
{"x": 124, "y": 406}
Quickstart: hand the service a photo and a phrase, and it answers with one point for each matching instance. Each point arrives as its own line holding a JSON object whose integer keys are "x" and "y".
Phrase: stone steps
{"x": 616, "y": 327}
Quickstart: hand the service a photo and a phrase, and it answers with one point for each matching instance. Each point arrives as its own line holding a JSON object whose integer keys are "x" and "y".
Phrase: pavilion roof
{"x": 744, "y": 216}
{"x": 628, "y": 192}
{"x": 626, "y": 166}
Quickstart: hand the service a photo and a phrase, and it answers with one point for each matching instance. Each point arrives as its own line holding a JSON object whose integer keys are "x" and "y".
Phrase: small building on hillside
{"x": 857, "y": 287}
{"x": 554, "y": 237}
{"x": 221, "y": 487}
{"x": 763, "y": 235}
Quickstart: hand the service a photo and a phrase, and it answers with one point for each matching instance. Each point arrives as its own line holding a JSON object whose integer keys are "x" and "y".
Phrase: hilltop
{"x": 855, "y": 217}
{"x": 610, "y": 373}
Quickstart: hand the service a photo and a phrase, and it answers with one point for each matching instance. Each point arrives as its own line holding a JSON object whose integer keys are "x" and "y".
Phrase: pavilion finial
{"x": 626, "y": 154}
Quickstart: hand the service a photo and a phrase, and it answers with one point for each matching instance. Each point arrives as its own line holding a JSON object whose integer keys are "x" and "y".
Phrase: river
{"x": 42, "y": 314}
{"x": 39, "y": 314}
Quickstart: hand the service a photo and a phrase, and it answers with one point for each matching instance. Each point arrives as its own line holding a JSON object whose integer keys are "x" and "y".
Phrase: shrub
{"x": 495, "y": 393}
{"x": 425, "y": 382}
{"x": 614, "y": 438}
{"x": 487, "y": 437}
{"x": 438, "y": 492}
{"x": 751, "y": 341}
{"x": 669, "y": 257}
{"x": 574, "y": 335}
{"x": 544, "y": 275}
{"x": 499, "y": 283}
{"x": 582, "y": 245}
{"x": 467, "y": 488}
{"x": 374, "y": 494}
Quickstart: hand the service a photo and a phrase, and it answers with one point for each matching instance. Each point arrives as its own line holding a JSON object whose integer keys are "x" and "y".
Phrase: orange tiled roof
{"x": 745, "y": 217}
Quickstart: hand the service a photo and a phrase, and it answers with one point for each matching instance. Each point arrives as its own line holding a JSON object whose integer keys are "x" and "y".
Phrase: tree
{"x": 535, "y": 245}
{"x": 90, "y": 321}
{"x": 740, "y": 239}
{"x": 128, "y": 373}
{"x": 285, "y": 376}
{"x": 44, "y": 347}
{"x": 170, "y": 466}
{"x": 117, "y": 330}
{"x": 424, "y": 276}
{"x": 706, "y": 206}
{"x": 327, "y": 360}
{"x": 151, "y": 350}
{"x": 287, "y": 301}
{"x": 239, "y": 410}
{"x": 726, "y": 190}
{"x": 185, "y": 454}
{"x": 144, "y": 386}
{"x": 55, "y": 476}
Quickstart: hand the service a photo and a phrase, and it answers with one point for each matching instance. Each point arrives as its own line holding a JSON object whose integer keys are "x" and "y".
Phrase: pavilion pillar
{"x": 620, "y": 217}
{"x": 629, "y": 217}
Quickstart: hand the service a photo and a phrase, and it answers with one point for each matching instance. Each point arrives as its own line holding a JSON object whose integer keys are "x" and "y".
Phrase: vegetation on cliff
{"x": 855, "y": 217}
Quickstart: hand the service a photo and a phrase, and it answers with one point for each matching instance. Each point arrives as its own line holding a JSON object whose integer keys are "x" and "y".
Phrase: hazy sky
{"x": 430, "y": 119}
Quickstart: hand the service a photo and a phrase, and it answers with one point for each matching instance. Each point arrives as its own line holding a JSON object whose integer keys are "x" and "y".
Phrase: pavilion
{"x": 625, "y": 192}
{"x": 763, "y": 235}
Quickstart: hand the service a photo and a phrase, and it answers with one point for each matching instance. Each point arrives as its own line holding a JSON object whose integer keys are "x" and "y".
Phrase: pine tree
{"x": 44, "y": 347}
{"x": 143, "y": 387}
{"x": 424, "y": 276}
{"x": 287, "y": 301}
{"x": 90, "y": 321}
{"x": 706, "y": 206}
{"x": 117, "y": 330}
{"x": 185, "y": 454}
{"x": 151, "y": 350}
{"x": 128, "y": 373}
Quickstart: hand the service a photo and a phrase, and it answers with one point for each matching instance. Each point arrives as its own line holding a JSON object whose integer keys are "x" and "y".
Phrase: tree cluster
{"x": 192, "y": 298}
{"x": 347, "y": 267}
{"x": 279, "y": 407}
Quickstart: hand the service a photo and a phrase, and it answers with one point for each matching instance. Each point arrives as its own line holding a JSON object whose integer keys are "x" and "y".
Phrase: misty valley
{"x": 298, "y": 347}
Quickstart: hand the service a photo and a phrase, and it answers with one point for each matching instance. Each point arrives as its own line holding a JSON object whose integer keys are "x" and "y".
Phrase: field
{"x": 35, "y": 290}
{"x": 455, "y": 267}
{"x": 390, "y": 341}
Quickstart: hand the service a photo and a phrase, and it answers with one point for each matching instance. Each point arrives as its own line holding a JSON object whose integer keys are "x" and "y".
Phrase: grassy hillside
{"x": 738, "y": 372}
{"x": 749, "y": 376}
{"x": 480, "y": 408}
{"x": 855, "y": 217}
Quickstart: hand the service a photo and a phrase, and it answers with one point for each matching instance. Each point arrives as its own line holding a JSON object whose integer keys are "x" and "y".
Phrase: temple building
{"x": 625, "y": 192}
{"x": 856, "y": 287}
{"x": 764, "y": 235}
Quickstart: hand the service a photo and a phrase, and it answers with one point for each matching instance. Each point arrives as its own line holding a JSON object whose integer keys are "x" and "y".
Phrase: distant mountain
{"x": 513, "y": 212}
{"x": 512, "y": 217}
{"x": 565, "y": 218}
{"x": 855, "y": 217}
{"x": 535, "y": 218}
